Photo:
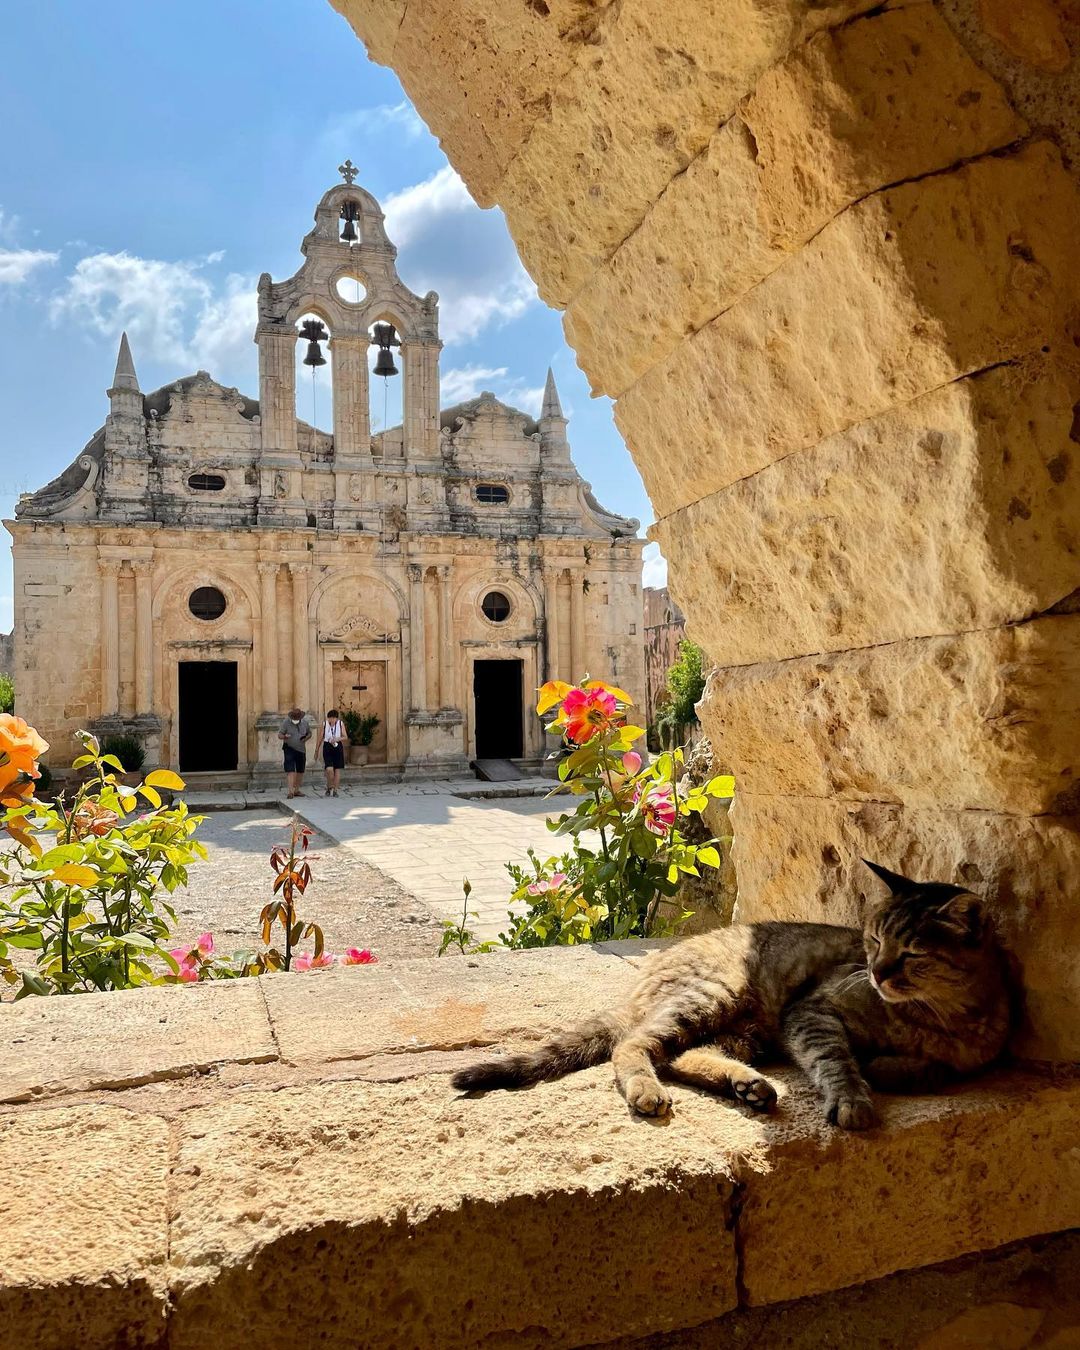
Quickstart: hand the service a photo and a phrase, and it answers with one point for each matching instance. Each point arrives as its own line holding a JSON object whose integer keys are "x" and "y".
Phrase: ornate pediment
{"x": 359, "y": 628}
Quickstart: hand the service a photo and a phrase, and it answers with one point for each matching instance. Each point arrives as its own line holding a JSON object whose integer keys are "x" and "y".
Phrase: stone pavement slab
{"x": 408, "y": 1007}
{"x": 90, "y": 1041}
{"x": 429, "y": 841}
{"x": 84, "y": 1236}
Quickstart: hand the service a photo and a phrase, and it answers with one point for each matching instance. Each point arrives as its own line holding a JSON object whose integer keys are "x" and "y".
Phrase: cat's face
{"x": 924, "y": 942}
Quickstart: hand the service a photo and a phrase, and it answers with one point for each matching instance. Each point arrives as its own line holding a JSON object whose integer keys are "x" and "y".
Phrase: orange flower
{"x": 91, "y": 818}
{"x": 589, "y": 714}
{"x": 20, "y": 748}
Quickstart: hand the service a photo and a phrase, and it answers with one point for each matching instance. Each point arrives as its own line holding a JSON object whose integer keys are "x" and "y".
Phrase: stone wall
{"x": 824, "y": 257}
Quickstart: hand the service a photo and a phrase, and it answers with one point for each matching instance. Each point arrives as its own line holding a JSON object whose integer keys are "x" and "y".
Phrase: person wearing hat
{"x": 294, "y": 735}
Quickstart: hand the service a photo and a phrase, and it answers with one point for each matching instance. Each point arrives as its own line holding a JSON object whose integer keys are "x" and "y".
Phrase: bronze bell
{"x": 384, "y": 362}
{"x": 315, "y": 333}
{"x": 349, "y": 234}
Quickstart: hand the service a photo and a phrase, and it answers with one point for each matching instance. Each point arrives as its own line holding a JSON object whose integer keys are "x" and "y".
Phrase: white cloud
{"x": 447, "y": 244}
{"x": 173, "y": 312}
{"x": 16, "y": 264}
{"x": 344, "y": 132}
{"x": 225, "y": 325}
{"x": 654, "y": 571}
{"x": 457, "y": 386}
{"x": 465, "y": 382}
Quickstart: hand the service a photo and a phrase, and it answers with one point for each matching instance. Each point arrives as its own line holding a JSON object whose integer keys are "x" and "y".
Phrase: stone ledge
{"x": 343, "y": 1176}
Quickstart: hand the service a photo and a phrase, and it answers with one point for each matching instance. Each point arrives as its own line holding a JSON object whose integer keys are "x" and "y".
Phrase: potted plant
{"x": 129, "y": 751}
{"x": 361, "y": 731}
{"x": 353, "y": 722}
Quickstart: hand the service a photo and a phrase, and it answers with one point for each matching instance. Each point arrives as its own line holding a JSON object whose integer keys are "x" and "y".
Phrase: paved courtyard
{"x": 428, "y": 841}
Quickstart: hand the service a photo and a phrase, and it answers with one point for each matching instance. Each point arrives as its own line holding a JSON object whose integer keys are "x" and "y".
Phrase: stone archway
{"x": 824, "y": 258}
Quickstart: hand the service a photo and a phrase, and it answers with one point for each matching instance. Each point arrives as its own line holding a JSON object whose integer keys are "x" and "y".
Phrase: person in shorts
{"x": 294, "y": 734}
{"x": 331, "y": 742}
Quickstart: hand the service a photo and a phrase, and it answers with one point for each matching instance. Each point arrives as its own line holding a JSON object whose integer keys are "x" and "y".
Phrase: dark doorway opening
{"x": 208, "y": 716}
{"x": 497, "y": 691}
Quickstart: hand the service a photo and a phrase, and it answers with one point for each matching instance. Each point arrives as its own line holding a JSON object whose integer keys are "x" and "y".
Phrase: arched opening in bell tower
{"x": 314, "y": 385}
{"x": 386, "y": 384}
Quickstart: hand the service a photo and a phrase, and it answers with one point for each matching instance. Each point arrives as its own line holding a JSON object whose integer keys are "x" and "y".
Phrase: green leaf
{"x": 709, "y": 856}
{"x": 164, "y": 778}
{"x": 723, "y": 785}
{"x": 136, "y": 940}
{"x": 112, "y": 762}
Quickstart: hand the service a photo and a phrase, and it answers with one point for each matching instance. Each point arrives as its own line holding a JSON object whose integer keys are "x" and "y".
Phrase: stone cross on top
{"x": 348, "y": 171}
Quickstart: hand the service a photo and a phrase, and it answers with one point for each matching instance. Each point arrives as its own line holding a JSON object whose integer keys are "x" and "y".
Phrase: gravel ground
{"x": 356, "y": 905}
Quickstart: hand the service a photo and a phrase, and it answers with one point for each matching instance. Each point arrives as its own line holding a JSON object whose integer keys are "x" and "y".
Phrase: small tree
{"x": 685, "y": 685}
{"x": 7, "y": 694}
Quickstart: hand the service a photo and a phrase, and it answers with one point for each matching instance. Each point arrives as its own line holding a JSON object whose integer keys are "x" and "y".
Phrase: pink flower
{"x": 631, "y": 761}
{"x": 355, "y": 956}
{"x": 589, "y": 712}
{"x": 657, "y": 802}
{"x": 205, "y": 943}
{"x": 305, "y": 961}
{"x": 189, "y": 971}
{"x": 553, "y": 883}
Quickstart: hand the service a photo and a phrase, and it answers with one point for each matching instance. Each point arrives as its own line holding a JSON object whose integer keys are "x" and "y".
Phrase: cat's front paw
{"x": 851, "y": 1113}
{"x": 647, "y": 1096}
{"x": 757, "y": 1093}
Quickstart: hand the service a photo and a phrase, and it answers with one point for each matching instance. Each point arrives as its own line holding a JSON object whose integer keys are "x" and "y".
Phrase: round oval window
{"x": 496, "y": 606}
{"x": 207, "y": 602}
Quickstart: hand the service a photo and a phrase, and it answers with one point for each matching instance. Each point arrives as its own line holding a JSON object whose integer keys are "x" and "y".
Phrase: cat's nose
{"x": 883, "y": 973}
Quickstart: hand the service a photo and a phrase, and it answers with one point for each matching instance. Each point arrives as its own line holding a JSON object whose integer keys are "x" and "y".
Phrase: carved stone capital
{"x": 109, "y": 567}
{"x": 269, "y": 569}
{"x": 416, "y": 572}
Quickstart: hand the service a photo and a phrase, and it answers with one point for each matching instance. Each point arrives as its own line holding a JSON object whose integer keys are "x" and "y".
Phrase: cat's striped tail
{"x": 580, "y": 1047}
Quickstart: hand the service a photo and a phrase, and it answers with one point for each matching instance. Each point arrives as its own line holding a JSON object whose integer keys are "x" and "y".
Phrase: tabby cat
{"x": 921, "y": 996}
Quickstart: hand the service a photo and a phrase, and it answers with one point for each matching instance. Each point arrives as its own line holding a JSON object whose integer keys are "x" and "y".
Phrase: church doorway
{"x": 497, "y": 693}
{"x": 361, "y": 686}
{"x": 208, "y": 716}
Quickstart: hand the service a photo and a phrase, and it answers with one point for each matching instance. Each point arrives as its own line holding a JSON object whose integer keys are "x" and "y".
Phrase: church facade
{"x": 209, "y": 561}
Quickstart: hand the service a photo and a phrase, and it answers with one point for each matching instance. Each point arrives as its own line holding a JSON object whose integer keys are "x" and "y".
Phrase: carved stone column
{"x": 420, "y": 398}
{"x": 268, "y": 661}
{"x": 552, "y": 625}
{"x": 110, "y": 637}
{"x": 277, "y": 389}
{"x": 447, "y": 661}
{"x": 352, "y": 429}
{"x": 577, "y": 628}
{"x": 417, "y": 645}
{"x": 144, "y": 636}
{"x": 301, "y": 585}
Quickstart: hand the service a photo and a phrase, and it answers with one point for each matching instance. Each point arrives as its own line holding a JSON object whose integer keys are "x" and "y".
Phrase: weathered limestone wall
{"x": 825, "y": 259}
{"x": 292, "y": 1155}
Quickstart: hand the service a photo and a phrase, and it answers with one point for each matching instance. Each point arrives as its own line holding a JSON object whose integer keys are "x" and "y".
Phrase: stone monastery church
{"x": 210, "y": 560}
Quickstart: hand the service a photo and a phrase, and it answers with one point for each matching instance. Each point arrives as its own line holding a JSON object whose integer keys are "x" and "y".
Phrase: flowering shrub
{"x": 613, "y": 887}
{"x": 83, "y": 887}
{"x": 291, "y": 865}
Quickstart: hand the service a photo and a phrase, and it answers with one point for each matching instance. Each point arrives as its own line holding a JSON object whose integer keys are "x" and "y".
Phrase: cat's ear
{"x": 900, "y": 886}
{"x": 959, "y": 910}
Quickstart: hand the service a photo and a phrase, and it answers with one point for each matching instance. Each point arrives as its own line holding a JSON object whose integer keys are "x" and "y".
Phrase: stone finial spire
{"x": 556, "y": 447}
{"x": 124, "y": 376}
{"x": 551, "y": 405}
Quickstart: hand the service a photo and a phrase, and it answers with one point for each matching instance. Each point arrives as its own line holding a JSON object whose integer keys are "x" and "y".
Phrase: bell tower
{"x": 349, "y": 281}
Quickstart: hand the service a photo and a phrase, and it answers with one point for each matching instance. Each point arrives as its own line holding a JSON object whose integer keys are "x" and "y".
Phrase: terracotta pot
{"x": 358, "y": 754}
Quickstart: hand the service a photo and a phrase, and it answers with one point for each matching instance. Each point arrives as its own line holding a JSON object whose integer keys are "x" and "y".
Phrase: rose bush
{"x": 627, "y": 851}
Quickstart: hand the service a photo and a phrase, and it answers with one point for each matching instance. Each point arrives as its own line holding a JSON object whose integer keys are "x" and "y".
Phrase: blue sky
{"x": 159, "y": 156}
